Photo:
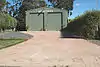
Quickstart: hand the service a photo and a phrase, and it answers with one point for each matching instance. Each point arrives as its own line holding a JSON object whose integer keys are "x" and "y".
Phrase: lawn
{"x": 4, "y": 43}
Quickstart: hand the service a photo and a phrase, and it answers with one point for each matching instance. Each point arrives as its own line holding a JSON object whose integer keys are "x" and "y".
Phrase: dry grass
{"x": 9, "y": 42}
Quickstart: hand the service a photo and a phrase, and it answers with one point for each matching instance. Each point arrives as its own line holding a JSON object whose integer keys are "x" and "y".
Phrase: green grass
{"x": 4, "y": 43}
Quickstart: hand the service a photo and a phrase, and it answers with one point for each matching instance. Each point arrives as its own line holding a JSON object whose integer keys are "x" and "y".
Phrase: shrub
{"x": 6, "y": 21}
{"x": 85, "y": 25}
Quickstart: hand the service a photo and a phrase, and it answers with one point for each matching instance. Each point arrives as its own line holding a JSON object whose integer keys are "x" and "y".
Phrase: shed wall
{"x": 49, "y": 19}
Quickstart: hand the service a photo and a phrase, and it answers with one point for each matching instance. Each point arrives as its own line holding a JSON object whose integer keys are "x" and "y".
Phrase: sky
{"x": 81, "y": 6}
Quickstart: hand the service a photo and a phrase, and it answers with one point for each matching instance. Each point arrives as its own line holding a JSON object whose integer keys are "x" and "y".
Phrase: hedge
{"x": 6, "y": 21}
{"x": 86, "y": 25}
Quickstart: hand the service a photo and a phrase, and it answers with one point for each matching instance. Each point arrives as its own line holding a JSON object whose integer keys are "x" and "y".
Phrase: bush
{"x": 86, "y": 25}
{"x": 6, "y": 21}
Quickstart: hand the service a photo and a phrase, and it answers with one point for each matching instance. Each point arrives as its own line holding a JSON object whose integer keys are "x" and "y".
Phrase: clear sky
{"x": 80, "y": 6}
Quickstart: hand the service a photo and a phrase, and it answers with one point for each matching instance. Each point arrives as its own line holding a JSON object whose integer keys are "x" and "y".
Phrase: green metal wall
{"x": 51, "y": 21}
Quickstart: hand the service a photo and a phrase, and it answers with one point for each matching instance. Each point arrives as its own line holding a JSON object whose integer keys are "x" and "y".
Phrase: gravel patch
{"x": 15, "y": 35}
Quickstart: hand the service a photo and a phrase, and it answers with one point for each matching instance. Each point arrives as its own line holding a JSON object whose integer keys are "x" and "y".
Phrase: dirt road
{"x": 47, "y": 49}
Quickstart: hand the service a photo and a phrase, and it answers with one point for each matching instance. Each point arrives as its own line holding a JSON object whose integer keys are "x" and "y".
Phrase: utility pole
{"x": 97, "y": 4}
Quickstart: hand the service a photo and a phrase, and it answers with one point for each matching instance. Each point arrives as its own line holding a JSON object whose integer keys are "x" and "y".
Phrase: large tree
{"x": 65, "y": 4}
{"x": 6, "y": 21}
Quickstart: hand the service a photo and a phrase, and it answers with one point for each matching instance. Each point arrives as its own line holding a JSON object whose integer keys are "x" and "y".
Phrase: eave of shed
{"x": 45, "y": 8}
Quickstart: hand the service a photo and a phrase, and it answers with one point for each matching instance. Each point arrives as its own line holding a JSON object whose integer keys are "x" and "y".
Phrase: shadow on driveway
{"x": 97, "y": 42}
{"x": 65, "y": 34}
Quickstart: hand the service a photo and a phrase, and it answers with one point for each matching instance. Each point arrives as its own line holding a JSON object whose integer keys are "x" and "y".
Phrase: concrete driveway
{"x": 47, "y": 49}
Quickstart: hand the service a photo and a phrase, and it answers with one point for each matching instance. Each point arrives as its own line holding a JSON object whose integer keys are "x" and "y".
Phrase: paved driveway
{"x": 47, "y": 49}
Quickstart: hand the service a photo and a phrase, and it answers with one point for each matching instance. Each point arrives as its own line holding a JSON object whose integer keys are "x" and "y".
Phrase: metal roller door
{"x": 36, "y": 22}
{"x": 54, "y": 21}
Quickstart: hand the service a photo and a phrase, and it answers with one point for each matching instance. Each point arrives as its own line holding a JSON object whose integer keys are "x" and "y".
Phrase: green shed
{"x": 49, "y": 19}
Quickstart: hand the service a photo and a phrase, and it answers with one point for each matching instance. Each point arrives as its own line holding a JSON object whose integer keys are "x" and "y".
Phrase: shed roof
{"x": 45, "y": 8}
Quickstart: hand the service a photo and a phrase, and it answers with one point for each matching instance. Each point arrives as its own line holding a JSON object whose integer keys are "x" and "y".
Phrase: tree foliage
{"x": 2, "y": 3}
{"x": 6, "y": 21}
{"x": 13, "y": 7}
{"x": 66, "y": 4}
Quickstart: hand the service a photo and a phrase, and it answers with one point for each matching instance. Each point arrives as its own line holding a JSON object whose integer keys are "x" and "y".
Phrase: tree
{"x": 2, "y": 3}
{"x": 13, "y": 9}
{"x": 65, "y": 4}
{"x": 6, "y": 21}
{"x": 12, "y": 22}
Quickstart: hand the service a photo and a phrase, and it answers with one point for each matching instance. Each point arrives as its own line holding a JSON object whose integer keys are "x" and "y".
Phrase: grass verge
{"x": 4, "y": 43}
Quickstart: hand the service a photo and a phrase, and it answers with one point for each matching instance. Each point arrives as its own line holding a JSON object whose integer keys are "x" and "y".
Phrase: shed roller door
{"x": 36, "y": 22}
{"x": 54, "y": 21}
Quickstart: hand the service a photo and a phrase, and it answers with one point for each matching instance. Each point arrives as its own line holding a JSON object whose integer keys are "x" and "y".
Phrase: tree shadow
{"x": 97, "y": 42}
{"x": 66, "y": 34}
